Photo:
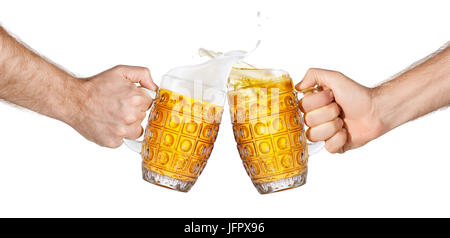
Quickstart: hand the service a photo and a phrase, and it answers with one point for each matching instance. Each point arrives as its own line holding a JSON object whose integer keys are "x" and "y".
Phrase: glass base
{"x": 282, "y": 184}
{"x": 166, "y": 181}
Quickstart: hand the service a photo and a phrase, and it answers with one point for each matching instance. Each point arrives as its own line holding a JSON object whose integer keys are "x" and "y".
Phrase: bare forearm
{"x": 28, "y": 80}
{"x": 105, "y": 108}
{"x": 416, "y": 92}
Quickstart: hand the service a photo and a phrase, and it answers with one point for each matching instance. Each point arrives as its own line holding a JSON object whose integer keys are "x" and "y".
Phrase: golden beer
{"x": 178, "y": 139}
{"x": 268, "y": 128}
{"x": 184, "y": 121}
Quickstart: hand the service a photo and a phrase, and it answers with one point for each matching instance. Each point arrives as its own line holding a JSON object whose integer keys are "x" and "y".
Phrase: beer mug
{"x": 269, "y": 129}
{"x": 183, "y": 123}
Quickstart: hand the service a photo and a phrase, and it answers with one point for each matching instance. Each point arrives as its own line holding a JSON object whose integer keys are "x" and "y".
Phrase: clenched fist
{"x": 342, "y": 114}
{"x": 111, "y": 107}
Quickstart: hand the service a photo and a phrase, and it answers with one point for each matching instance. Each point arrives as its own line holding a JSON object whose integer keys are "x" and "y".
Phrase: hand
{"x": 342, "y": 114}
{"x": 111, "y": 107}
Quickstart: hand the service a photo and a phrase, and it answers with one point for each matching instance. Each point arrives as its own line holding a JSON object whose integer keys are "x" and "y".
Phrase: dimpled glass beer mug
{"x": 269, "y": 129}
{"x": 183, "y": 123}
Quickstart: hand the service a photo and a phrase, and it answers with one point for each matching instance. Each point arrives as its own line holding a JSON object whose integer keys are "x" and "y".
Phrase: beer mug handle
{"x": 136, "y": 145}
{"x": 313, "y": 147}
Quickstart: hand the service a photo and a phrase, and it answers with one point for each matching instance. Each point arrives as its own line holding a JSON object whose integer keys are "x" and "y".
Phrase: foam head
{"x": 252, "y": 77}
{"x": 206, "y": 81}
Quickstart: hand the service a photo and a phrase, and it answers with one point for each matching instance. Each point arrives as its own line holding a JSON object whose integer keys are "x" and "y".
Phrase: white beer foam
{"x": 206, "y": 81}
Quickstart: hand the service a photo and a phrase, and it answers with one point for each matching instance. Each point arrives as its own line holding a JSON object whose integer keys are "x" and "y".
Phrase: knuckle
{"x": 130, "y": 119}
{"x": 119, "y": 67}
{"x": 117, "y": 144}
{"x": 330, "y": 71}
{"x": 334, "y": 147}
{"x": 146, "y": 70}
{"x": 136, "y": 132}
{"x": 316, "y": 71}
{"x": 333, "y": 71}
{"x": 338, "y": 123}
{"x": 313, "y": 70}
{"x": 134, "y": 136}
{"x": 330, "y": 147}
{"x": 339, "y": 73}
{"x": 114, "y": 143}
{"x": 336, "y": 110}
{"x": 141, "y": 117}
{"x": 121, "y": 131}
{"x": 136, "y": 100}
{"x": 343, "y": 136}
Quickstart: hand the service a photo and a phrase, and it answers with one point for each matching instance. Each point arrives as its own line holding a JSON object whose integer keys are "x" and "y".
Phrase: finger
{"x": 316, "y": 100}
{"x": 113, "y": 143}
{"x": 324, "y": 131}
{"x": 321, "y": 77}
{"x": 142, "y": 117}
{"x": 137, "y": 74}
{"x": 134, "y": 132}
{"x": 137, "y": 104}
{"x": 147, "y": 100}
{"x": 336, "y": 143}
{"x": 322, "y": 115}
{"x": 132, "y": 117}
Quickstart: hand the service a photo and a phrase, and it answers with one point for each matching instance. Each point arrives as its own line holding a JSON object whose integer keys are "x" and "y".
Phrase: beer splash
{"x": 239, "y": 68}
{"x": 205, "y": 81}
{"x": 244, "y": 76}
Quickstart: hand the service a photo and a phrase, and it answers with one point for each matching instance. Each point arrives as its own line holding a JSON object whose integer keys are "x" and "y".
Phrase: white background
{"x": 48, "y": 170}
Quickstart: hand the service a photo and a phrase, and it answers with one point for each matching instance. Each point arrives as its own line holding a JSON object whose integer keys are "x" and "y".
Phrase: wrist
{"x": 382, "y": 112}
{"x": 75, "y": 93}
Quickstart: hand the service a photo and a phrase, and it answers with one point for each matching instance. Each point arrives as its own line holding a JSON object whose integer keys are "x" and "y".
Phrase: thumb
{"x": 137, "y": 74}
{"x": 320, "y": 77}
